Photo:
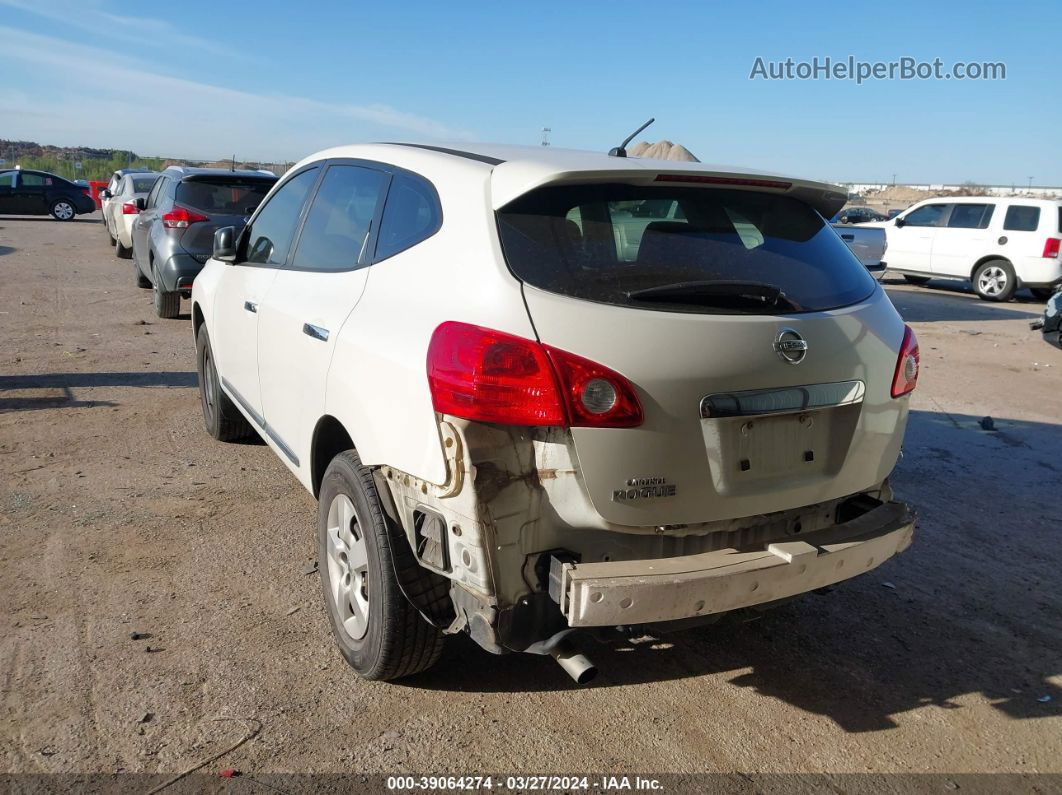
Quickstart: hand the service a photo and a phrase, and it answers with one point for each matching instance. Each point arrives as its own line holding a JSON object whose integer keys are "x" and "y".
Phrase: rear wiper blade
{"x": 717, "y": 291}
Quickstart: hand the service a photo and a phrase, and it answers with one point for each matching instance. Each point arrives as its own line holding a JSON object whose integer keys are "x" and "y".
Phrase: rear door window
{"x": 930, "y": 215}
{"x": 36, "y": 180}
{"x": 680, "y": 249}
{"x": 153, "y": 197}
{"x": 338, "y": 227}
{"x": 1021, "y": 218}
{"x": 970, "y": 216}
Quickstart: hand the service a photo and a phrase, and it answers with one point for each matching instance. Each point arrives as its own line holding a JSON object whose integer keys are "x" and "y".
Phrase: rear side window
{"x": 680, "y": 249}
{"x": 143, "y": 184}
{"x": 7, "y": 179}
{"x": 1021, "y": 218}
{"x": 930, "y": 215}
{"x": 269, "y": 236}
{"x": 336, "y": 234}
{"x": 411, "y": 214}
{"x": 223, "y": 196}
{"x": 970, "y": 216}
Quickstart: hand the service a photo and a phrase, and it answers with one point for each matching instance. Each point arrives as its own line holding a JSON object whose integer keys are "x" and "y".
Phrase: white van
{"x": 998, "y": 244}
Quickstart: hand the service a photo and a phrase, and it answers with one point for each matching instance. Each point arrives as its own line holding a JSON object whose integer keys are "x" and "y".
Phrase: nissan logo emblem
{"x": 790, "y": 346}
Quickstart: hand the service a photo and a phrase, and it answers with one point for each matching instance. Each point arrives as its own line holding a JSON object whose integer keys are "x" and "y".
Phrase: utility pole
{"x": 1030, "y": 183}
{"x": 545, "y": 135}
{"x": 894, "y": 180}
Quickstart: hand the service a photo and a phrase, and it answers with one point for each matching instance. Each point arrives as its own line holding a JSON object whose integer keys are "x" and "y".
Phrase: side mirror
{"x": 105, "y": 194}
{"x": 225, "y": 244}
{"x": 900, "y": 222}
{"x": 141, "y": 203}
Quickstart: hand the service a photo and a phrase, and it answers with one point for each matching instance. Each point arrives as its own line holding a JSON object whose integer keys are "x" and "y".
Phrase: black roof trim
{"x": 490, "y": 161}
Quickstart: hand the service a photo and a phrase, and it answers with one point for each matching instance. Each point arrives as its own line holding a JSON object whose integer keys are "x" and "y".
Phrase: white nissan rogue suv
{"x": 539, "y": 392}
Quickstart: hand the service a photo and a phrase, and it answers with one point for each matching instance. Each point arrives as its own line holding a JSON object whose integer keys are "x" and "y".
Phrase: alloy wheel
{"x": 992, "y": 281}
{"x": 348, "y": 567}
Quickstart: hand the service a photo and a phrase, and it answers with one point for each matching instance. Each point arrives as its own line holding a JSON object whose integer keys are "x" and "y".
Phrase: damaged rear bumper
{"x": 646, "y": 591}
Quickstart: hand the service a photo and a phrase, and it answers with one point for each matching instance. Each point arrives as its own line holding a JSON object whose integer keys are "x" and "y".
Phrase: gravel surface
{"x": 120, "y": 516}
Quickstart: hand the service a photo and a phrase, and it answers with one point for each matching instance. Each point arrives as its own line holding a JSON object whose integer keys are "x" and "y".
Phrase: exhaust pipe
{"x": 576, "y": 665}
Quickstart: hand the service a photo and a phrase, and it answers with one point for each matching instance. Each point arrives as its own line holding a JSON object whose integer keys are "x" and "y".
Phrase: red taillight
{"x": 481, "y": 374}
{"x": 907, "y": 366}
{"x": 129, "y": 208}
{"x": 1051, "y": 247}
{"x": 181, "y": 218}
{"x": 596, "y": 396}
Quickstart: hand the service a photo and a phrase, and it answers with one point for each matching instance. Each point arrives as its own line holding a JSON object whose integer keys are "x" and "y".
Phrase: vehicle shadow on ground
{"x": 967, "y": 612}
{"x": 55, "y": 390}
{"x": 7, "y": 250}
{"x": 952, "y": 301}
{"x": 49, "y": 219}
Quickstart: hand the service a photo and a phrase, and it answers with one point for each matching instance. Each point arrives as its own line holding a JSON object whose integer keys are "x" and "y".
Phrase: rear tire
{"x": 361, "y": 554}
{"x": 1043, "y": 293}
{"x": 167, "y": 305}
{"x": 122, "y": 252}
{"x": 221, "y": 417}
{"x": 915, "y": 279}
{"x": 62, "y": 210}
{"x": 995, "y": 281}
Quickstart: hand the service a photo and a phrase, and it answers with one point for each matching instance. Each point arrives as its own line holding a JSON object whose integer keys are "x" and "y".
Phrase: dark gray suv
{"x": 173, "y": 235}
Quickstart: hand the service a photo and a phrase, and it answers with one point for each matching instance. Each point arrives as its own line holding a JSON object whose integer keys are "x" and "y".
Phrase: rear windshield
{"x": 680, "y": 249}
{"x": 223, "y": 195}
{"x": 143, "y": 185}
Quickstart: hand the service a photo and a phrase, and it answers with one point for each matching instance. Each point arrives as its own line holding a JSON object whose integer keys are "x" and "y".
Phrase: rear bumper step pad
{"x": 644, "y": 591}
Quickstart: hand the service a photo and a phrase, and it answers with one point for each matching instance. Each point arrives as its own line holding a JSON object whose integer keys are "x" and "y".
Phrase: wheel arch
{"x": 987, "y": 258}
{"x": 330, "y": 438}
{"x": 197, "y": 319}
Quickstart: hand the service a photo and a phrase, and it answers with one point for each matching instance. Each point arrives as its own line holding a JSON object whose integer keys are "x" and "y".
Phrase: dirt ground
{"x": 120, "y": 515}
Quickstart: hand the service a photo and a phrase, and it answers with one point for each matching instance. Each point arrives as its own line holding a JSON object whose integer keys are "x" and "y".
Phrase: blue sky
{"x": 278, "y": 80}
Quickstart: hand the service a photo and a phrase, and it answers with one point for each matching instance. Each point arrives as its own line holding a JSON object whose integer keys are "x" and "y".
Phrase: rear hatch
{"x": 763, "y": 353}
{"x": 219, "y": 201}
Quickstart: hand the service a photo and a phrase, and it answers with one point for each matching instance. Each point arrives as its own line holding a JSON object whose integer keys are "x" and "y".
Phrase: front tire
{"x": 915, "y": 279}
{"x": 167, "y": 305}
{"x": 995, "y": 281}
{"x": 361, "y": 555}
{"x": 62, "y": 210}
{"x": 221, "y": 417}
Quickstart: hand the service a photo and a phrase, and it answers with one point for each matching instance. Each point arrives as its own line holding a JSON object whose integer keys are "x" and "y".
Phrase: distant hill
{"x": 662, "y": 150}
{"x": 99, "y": 164}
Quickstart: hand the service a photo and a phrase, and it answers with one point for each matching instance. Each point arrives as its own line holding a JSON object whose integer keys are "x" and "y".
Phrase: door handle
{"x": 316, "y": 332}
{"x": 250, "y": 306}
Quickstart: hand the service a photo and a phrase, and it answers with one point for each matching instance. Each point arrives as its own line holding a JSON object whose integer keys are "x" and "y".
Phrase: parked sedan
{"x": 25, "y": 192}
{"x": 857, "y": 215}
{"x": 119, "y": 210}
{"x": 173, "y": 234}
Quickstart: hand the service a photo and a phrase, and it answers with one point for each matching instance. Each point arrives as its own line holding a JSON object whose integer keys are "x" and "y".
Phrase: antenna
{"x": 621, "y": 150}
